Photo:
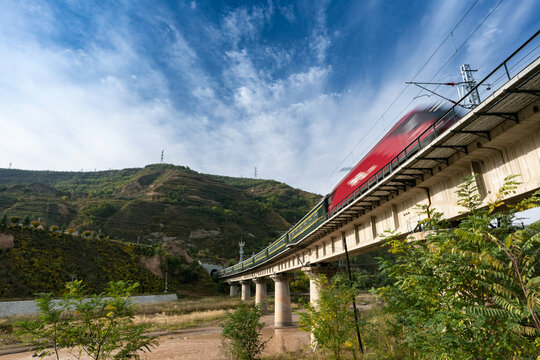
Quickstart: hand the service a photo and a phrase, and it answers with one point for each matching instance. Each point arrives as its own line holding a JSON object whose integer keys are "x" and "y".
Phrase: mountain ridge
{"x": 206, "y": 214}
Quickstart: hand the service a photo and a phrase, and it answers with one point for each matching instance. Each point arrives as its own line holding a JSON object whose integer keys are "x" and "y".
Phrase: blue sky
{"x": 297, "y": 89}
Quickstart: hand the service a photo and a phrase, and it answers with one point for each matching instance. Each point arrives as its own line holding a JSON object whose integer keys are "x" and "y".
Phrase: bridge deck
{"x": 506, "y": 116}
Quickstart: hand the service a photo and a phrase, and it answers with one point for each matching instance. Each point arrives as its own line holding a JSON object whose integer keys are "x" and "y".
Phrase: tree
{"x": 242, "y": 333}
{"x": 476, "y": 284}
{"x": 26, "y": 221}
{"x": 101, "y": 326}
{"x": 331, "y": 320}
{"x": 49, "y": 330}
{"x": 14, "y": 220}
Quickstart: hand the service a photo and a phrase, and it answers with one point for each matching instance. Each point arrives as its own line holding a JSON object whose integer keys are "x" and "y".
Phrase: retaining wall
{"x": 29, "y": 307}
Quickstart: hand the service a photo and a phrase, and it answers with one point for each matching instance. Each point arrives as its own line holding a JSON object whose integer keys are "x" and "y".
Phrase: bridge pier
{"x": 246, "y": 290}
{"x": 233, "y": 289}
{"x": 260, "y": 294}
{"x": 282, "y": 306}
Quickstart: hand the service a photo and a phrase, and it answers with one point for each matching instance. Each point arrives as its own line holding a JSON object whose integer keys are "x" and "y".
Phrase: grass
{"x": 165, "y": 322}
{"x": 186, "y": 306}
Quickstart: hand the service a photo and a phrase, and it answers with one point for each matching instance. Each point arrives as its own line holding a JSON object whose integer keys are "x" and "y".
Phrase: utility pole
{"x": 463, "y": 88}
{"x": 473, "y": 100}
{"x": 165, "y": 282}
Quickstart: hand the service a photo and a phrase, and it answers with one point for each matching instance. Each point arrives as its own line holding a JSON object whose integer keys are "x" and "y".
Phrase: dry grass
{"x": 165, "y": 322}
{"x": 188, "y": 306}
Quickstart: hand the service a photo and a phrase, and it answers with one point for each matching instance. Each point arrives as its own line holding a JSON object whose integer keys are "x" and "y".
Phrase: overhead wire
{"x": 400, "y": 94}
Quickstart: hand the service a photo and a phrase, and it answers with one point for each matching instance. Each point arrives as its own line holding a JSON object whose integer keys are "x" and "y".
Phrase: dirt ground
{"x": 204, "y": 343}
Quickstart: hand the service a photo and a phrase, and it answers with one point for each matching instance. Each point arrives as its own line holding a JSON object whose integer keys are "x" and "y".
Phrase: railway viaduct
{"x": 498, "y": 138}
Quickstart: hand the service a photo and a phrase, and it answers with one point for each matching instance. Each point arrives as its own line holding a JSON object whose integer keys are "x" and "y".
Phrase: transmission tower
{"x": 241, "y": 244}
{"x": 255, "y": 172}
{"x": 162, "y": 155}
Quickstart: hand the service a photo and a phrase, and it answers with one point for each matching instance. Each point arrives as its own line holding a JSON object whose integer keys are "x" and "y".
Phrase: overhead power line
{"x": 450, "y": 34}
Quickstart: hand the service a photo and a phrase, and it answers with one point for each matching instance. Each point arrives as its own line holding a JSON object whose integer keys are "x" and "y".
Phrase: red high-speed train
{"x": 417, "y": 127}
{"x": 398, "y": 138}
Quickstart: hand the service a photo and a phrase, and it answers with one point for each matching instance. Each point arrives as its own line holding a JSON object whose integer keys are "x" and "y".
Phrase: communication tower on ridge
{"x": 162, "y": 155}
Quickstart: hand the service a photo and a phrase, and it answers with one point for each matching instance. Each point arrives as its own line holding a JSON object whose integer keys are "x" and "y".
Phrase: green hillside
{"x": 41, "y": 261}
{"x": 205, "y": 214}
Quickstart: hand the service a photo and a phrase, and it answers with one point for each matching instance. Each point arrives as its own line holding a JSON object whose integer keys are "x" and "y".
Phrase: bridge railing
{"x": 500, "y": 75}
{"x": 425, "y": 138}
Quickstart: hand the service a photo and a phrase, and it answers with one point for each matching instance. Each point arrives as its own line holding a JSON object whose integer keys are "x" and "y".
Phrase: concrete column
{"x": 260, "y": 294}
{"x": 246, "y": 290}
{"x": 233, "y": 290}
{"x": 282, "y": 307}
{"x": 312, "y": 272}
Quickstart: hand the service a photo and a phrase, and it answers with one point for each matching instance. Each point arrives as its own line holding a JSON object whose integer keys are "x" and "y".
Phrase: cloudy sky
{"x": 297, "y": 89}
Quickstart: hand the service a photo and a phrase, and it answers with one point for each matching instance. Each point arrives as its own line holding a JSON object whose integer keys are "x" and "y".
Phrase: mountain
{"x": 206, "y": 215}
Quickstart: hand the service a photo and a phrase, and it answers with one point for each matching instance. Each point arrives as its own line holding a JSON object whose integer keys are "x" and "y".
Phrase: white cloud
{"x": 109, "y": 106}
{"x": 320, "y": 40}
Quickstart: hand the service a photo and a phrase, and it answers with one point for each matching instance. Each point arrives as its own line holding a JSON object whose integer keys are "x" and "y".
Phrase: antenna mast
{"x": 162, "y": 155}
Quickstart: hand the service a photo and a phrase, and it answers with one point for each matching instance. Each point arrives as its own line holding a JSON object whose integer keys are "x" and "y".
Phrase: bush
{"x": 476, "y": 284}
{"x": 101, "y": 326}
{"x": 331, "y": 319}
{"x": 242, "y": 333}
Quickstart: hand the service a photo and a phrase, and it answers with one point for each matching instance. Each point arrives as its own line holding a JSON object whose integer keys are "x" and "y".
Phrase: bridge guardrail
{"x": 421, "y": 142}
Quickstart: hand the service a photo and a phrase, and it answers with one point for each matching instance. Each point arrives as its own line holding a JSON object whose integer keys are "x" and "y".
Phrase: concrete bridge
{"x": 500, "y": 137}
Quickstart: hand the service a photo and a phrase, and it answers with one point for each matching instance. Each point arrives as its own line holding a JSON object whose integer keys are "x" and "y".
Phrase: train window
{"x": 407, "y": 125}
{"x": 410, "y": 124}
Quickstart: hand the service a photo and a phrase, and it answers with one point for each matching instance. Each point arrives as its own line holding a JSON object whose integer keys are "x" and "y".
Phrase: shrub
{"x": 331, "y": 319}
{"x": 477, "y": 284}
{"x": 14, "y": 220}
{"x": 101, "y": 326}
{"x": 242, "y": 333}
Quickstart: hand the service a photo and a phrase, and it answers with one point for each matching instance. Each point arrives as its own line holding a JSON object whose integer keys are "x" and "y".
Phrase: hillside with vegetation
{"x": 206, "y": 215}
{"x": 35, "y": 261}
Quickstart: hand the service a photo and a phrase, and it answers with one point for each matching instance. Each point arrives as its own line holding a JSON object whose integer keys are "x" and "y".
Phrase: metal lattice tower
{"x": 473, "y": 100}
{"x": 241, "y": 244}
{"x": 162, "y": 155}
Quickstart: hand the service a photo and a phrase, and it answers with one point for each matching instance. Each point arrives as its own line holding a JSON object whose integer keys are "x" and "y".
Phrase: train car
{"x": 421, "y": 124}
{"x": 309, "y": 222}
{"x": 410, "y": 127}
